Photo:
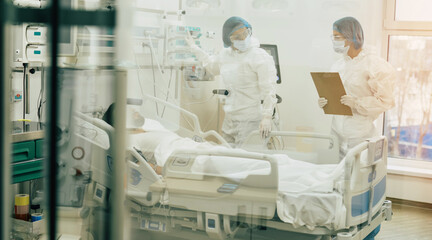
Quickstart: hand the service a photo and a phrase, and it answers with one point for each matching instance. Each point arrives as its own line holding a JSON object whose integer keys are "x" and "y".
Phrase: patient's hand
{"x": 135, "y": 130}
{"x": 156, "y": 168}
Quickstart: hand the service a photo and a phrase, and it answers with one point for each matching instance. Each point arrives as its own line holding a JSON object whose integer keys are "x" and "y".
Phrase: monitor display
{"x": 272, "y": 50}
{"x": 67, "y": 34}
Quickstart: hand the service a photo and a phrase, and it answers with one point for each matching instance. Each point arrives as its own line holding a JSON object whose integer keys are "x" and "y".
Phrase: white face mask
{"x": 339, "y": 46}
{"x": 242, "y": 45}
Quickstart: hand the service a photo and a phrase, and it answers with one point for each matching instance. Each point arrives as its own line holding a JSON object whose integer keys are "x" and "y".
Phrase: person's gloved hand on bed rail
{"x": 265, "y": 126}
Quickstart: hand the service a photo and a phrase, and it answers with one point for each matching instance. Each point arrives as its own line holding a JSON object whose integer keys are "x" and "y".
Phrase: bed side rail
{"x": 326, "y": 155}
{"x": 140, "y": 176}
{"x": 180, "y": 163}
{"x": 198, "y": 133}
{"x": 98, "y": 123}
{"x": 365, "y": 180}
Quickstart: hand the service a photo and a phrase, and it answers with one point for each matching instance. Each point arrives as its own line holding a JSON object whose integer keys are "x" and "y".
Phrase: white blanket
{"x": 309, "y": 194}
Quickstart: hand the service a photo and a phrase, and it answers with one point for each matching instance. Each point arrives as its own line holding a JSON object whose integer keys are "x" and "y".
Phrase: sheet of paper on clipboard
{"x": 329, "y": 85}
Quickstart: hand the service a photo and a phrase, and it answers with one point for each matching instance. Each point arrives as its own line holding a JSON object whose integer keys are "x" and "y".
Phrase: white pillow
{"x": 153, "y": 125}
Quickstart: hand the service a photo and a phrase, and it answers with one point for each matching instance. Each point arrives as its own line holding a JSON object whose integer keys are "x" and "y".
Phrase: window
{"x": 413, "y": 10}
{"x": 408, "y": 38}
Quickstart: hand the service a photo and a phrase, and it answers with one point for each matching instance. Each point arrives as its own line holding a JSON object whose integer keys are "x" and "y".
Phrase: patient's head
{"x": 108, "y": 116}
{"x": 134, "y": 119}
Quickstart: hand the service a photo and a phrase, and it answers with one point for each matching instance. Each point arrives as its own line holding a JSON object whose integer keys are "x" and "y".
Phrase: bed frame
{"x": 364, "y": 199}
{"x": 160, "y": 205}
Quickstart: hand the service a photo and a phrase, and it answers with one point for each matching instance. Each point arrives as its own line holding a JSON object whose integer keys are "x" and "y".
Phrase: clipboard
{"x": 329, "y": 85}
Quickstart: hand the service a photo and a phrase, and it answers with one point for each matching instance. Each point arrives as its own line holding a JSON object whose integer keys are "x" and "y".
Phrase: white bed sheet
{"x": 309, "y": 194}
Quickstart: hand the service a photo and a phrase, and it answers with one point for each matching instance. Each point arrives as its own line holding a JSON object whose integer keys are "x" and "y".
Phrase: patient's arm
{"x": 157, "y": 146}
{"x": 156, "y": 168}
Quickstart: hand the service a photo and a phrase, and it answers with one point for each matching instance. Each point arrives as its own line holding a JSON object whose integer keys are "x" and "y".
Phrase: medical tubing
{"x": 24, "y": 90}
{"x": 138, "y": 73}
{"x": 154, "y": 76}
{"x": 152, "y": 53}
{"x": 166, "y": 99}
{"x": 154, "y": 79}
{"x": 27, "y": 92}
{"x": 157, "y": 60}
{"x": 41, "y": 93}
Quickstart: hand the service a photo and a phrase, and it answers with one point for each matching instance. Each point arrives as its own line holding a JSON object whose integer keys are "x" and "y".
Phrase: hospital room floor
{"x": 409, "y": 222}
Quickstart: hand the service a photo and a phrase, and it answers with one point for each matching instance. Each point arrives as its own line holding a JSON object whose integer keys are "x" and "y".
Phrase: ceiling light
{"x": 203, "y": 3}
{"x": 272, "y": 5}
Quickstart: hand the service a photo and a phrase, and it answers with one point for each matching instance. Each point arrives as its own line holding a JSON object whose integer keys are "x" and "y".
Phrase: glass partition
{"x": 142, "y": 119}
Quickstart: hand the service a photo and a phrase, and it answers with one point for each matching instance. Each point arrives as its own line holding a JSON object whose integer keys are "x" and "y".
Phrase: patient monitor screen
{"x": 272, "y": 50}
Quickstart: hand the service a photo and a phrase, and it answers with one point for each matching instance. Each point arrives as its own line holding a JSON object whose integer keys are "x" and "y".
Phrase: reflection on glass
{"x": 409, "y": 124}
{"x": 413, "y": 10}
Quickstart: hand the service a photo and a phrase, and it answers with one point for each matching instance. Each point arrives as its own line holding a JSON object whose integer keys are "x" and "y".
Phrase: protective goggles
{"x": 241, "y": 35}
{"x": 337, "y": 37}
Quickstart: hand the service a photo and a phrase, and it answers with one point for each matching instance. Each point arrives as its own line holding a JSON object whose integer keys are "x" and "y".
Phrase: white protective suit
{"x": 369, "y": 79}
{"x": 250, "y": 77}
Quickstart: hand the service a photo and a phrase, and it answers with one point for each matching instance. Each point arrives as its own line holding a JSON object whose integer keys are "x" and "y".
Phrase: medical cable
{"x": 24, "y": 92}
{"x": 153, "y": 54}
{"x": 138, "y": 74}
{"x": 154, "y": 78}
{"x": 159, "y": 67}
{"x": 166, "y": 99}
{"x": 167, "y": 95}
{"x": 160, "y": 70}
{"x": 152, "y": 49}
{"x": 41, "y": 94}
{"x": 162, "y": 91}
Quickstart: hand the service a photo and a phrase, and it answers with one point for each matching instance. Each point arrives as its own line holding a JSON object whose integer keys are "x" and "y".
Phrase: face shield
{"x": 232, "y": 25}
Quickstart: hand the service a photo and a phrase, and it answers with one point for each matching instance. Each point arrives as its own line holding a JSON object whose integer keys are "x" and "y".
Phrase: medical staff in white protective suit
{"x": 249, "y": 74}
{"x": 368, "y": 81}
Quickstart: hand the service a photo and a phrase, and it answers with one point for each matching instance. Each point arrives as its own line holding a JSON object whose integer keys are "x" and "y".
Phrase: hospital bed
{"x": 194, "y": 204}
{"x": 194, "y": 201}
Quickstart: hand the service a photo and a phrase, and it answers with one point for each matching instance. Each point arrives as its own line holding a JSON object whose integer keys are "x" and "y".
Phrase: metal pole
{"x": 5, "y": 133}
{"x": 51, "y": 133}
{"x": 124, "y": 54}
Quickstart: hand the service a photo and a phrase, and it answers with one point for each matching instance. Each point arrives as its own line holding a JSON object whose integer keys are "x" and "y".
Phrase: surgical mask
{"x": 339, "y": 46}
{"x": 242, "y": 45}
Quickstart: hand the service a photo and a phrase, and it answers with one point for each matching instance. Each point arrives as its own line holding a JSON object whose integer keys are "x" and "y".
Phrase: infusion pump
{"x": 29, "y": 43}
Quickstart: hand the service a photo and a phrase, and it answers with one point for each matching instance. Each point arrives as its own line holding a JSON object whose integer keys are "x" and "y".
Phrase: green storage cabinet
{"x": 39, "y": 148}
{"x": 22, "y": 151}
{"x": 26, "y": 171}
{"x": 27, "y": 161}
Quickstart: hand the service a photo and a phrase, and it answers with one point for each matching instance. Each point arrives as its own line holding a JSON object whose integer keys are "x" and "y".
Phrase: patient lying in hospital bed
{"x": 309, "y": 195}
{"x": 296, "y": 178}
